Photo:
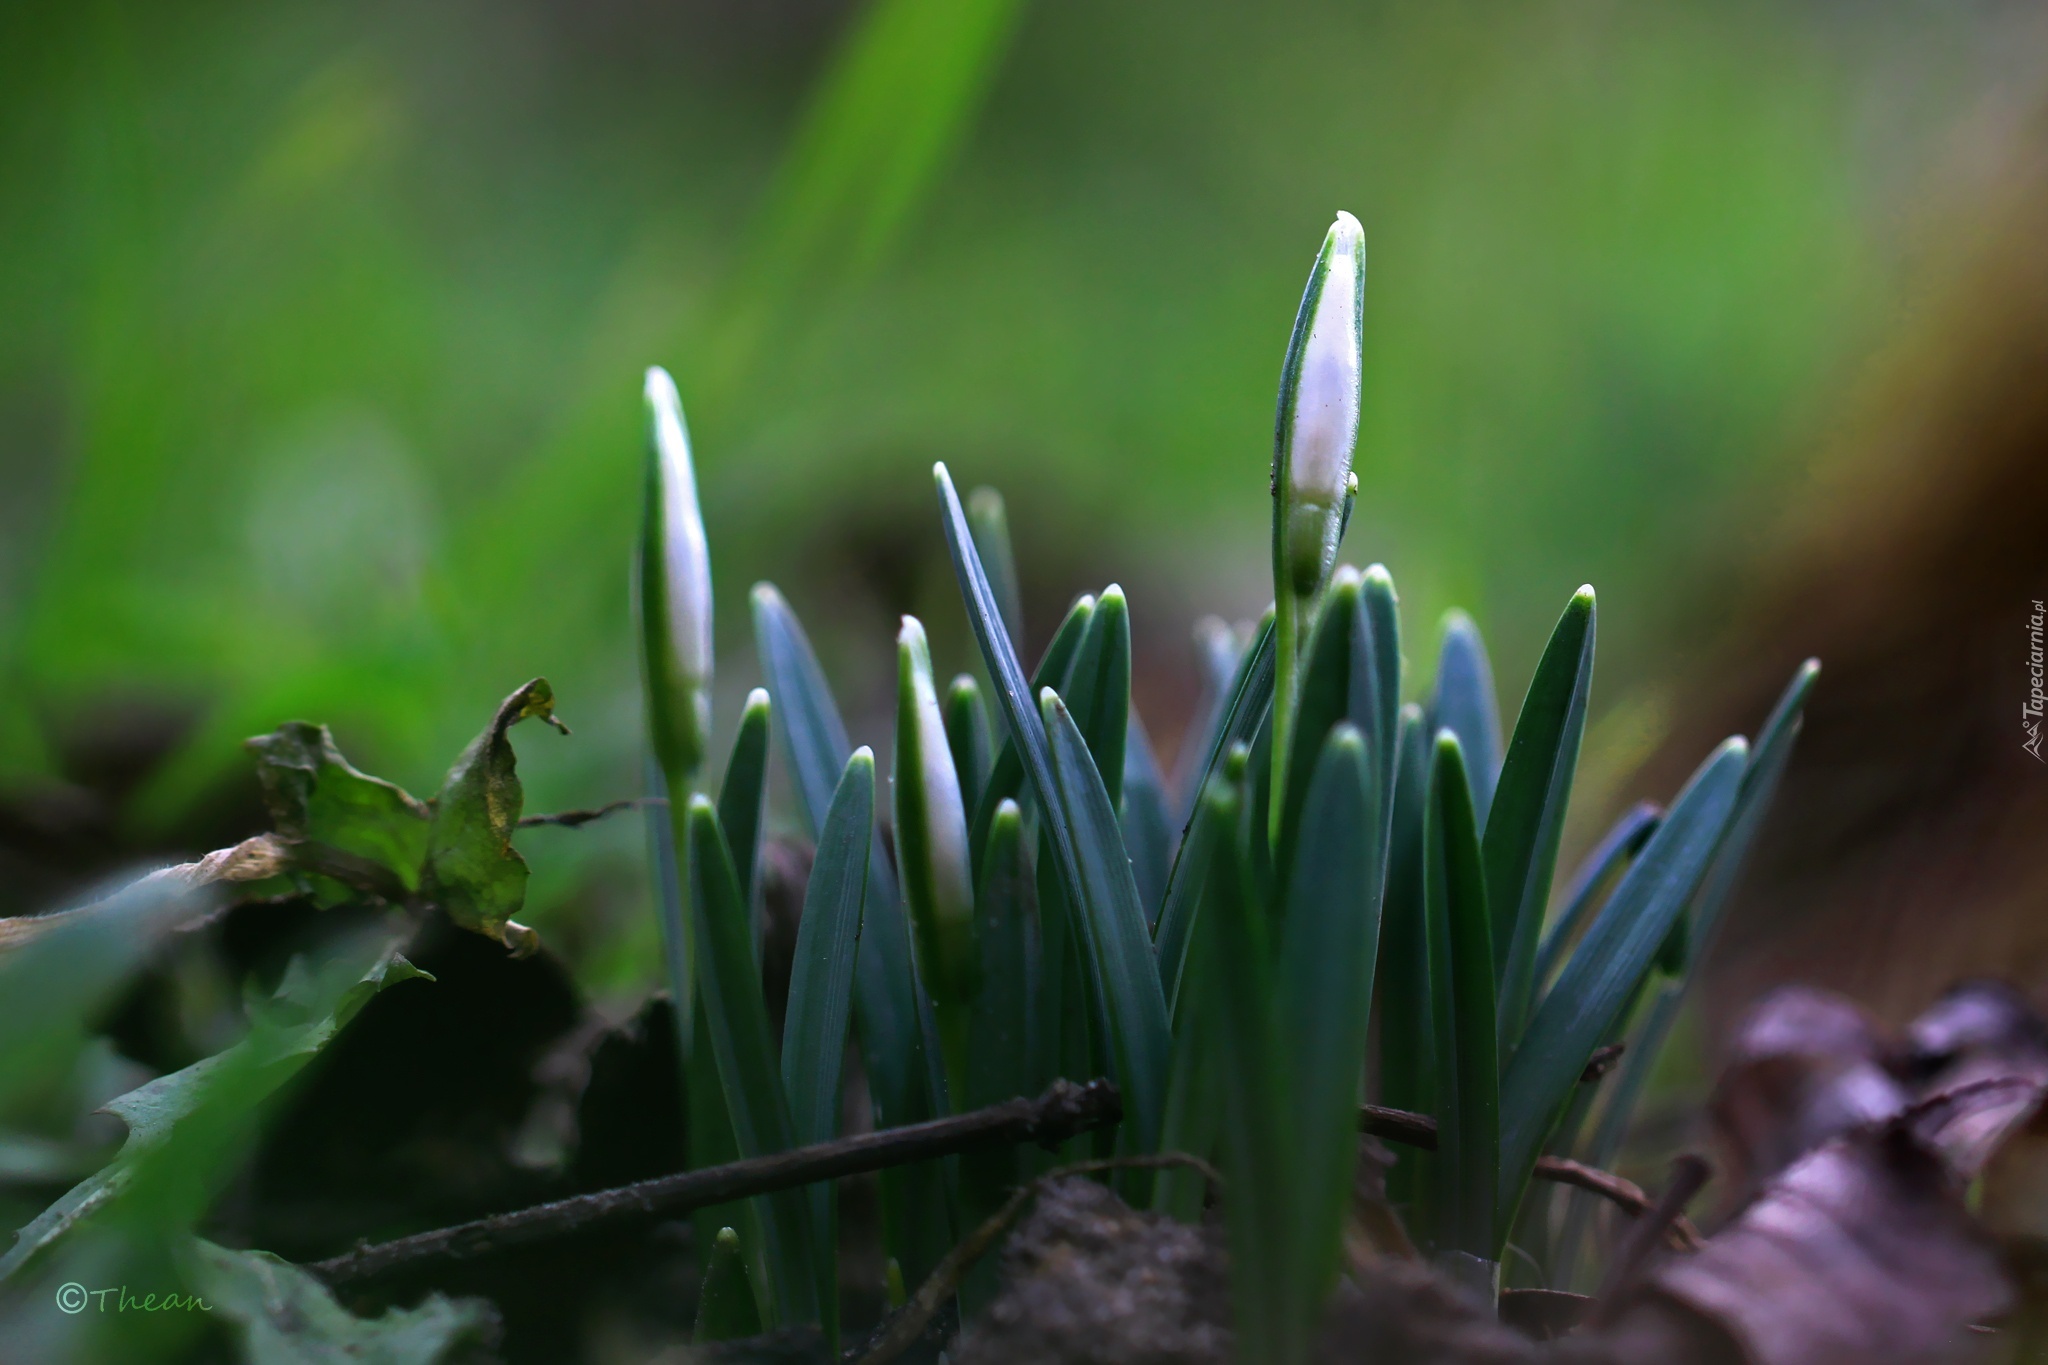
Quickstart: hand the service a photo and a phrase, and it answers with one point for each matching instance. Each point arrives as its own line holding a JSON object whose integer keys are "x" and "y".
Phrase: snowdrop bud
{"x": 1317, "y": 424}
{"x": 931, "y": 830}
{"x": 675, "y": 590}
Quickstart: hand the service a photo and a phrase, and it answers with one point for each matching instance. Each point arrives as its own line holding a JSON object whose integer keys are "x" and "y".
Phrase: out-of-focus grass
{"x": 318, "y": 394}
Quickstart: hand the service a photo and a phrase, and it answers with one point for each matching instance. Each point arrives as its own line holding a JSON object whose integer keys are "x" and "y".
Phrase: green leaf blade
{"x": 1147, "y": 827}
{"x": 1526, "y": 821}
{"x": 725, "y": 1303}
{"x": 1098, "y": 690}
{"x": 1621, "y": 843}
{"x": 1055, "y": 668}
{"x": 736, "y": 1019}
{"x": 1465, "y": 704}
{"x": 1323, "y": 991}
{"x": 827, "y": 941}
{"x": 989, "y": 520}
{"x": 815, "y": 747}
{"x": 1120, "y": 948}
{"x": 1462, "y": 987}
{"x": 1603, "y": 973}
{"x": 1407, "y": 1023}
{"x": 742, "y": 797}
{"x": 1243, "y": 715}
{"x": 1234, "y": 977}
{"x": 968, "y": 737}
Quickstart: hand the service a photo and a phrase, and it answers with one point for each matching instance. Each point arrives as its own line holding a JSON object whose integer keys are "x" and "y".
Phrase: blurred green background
{"x": 325, "y": 323}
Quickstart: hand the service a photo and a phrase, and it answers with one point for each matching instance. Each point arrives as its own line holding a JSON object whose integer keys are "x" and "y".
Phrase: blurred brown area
{"x": 1909, "y": 844}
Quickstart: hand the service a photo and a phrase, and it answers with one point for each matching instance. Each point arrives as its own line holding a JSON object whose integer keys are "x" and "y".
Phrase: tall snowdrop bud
{"x": 931, "y": 847}
{"x": 1317, "y": 424}
{"x": 674, "y": 580}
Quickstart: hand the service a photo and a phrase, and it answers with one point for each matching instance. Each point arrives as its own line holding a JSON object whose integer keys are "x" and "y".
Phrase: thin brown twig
{"x": 1064, "y": 1110}
{"x": 573, "y": 819}
{"x": 1419, "y": 1131}
{"x": 944, "y": 1281}
{"x": 1689, "y": 1172}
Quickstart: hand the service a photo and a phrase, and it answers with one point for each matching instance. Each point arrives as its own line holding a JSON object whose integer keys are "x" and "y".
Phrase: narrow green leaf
{"x": 1462, "y": 989}
{"x": 1464, "y": 703}
{"x": 1237, "y": 1016}
{"x": 1147, "y": 828}
{"x": 1582, "y": 896}
{"x": 1258, "y": 805}
{"x": 1098, "y": 690}
{"x": 1603, "y": 972}
{"x": 967, "y": 736}
{"x": 1175, "y": 931}
{"x": 1527, "y": 817}
{"x": 1007, "y": 915}
{"x": 1323, "y": 989}
{"x": 1243, "y": 712}
{"x": 827, "y": 937}
{"x": 1194, "y": 1094}
{"x": 1622, "y": 1093}
{"x": 711, "y": 1143}
{"x": 990, "y": 522}
{"x": 671, "y": 914}
{"x": 892, "y": 104}
{"x": 1219, "y": 655}
{"x": 472, "y": 871}
{"x": 1066, "y": 1008}
{"x": 1772, "y": 753}
{"x": 742, "y": 796}
{"x": 1407, "y": 1028}
{"x": 821, "y": 995}
{"x": 1383, "y": 619}
{"x": 931, "y": 851}
{"x": 736, "y": 1019}
{"x": 1006, "y": 774}
{"x": 1326, "y": 696}
{"x": 1119, "y": 948}
{"x": 816, "y": 748}
{"x": 725, "y": 1304}
{"x": 1703, "y": 918}
{"x": 999, "y": 1054}
{"x": 1250, "y": 701}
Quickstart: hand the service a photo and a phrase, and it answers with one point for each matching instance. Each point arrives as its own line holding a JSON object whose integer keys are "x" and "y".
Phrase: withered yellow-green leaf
{"x": 472, "y": 870}
{"x": 284, "y": 1316}
{"x": 314, "y": 793}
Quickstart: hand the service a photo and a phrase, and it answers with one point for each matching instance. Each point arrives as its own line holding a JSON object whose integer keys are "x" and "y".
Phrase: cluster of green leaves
{"x": 1050, "y": 909}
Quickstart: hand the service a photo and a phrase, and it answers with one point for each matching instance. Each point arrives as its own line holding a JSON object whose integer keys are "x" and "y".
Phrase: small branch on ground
{"x": 1419, "y": 1131}
{"x": 573, "y": 819}
{"x": 1063, "y": 1111}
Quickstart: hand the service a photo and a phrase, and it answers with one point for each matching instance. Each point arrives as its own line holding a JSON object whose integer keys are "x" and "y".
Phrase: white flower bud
{"x": 675, "y": 585}
{"x": 1317, "y": 425}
